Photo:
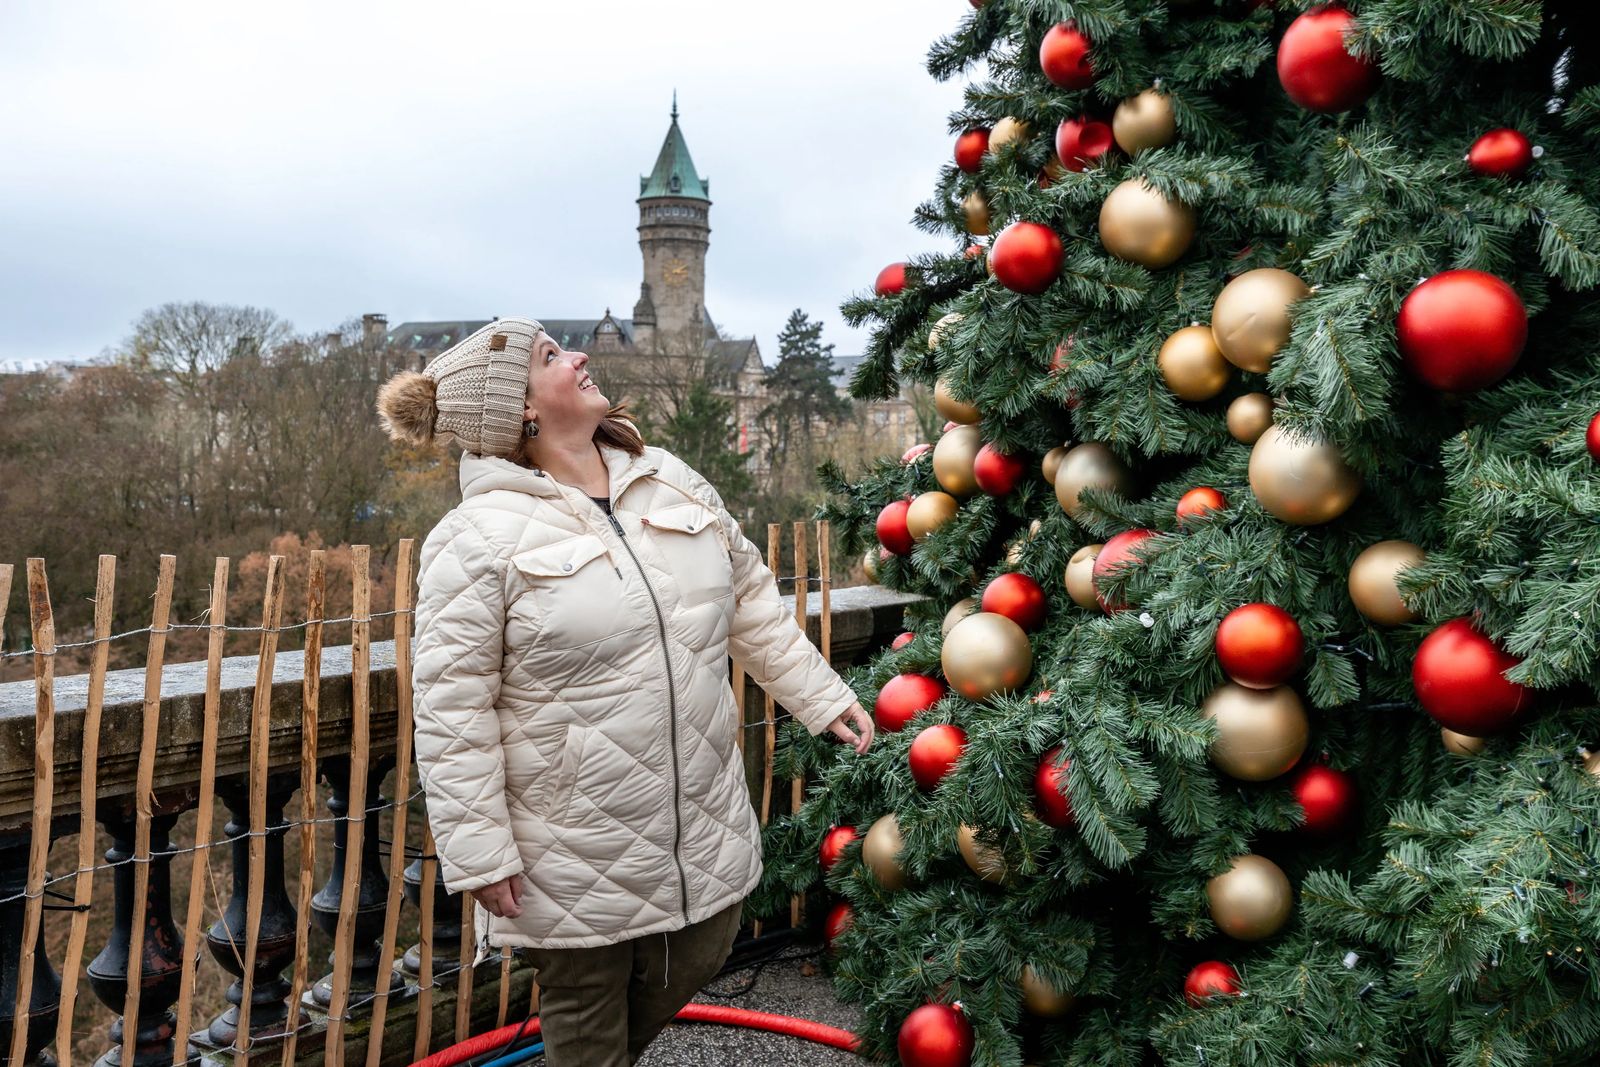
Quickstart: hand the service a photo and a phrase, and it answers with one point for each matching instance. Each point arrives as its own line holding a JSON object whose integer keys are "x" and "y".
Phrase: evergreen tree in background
{"x": 701, "y": 432}
{"x": 1306, "y": 298}
{"x": 800, "y": 391}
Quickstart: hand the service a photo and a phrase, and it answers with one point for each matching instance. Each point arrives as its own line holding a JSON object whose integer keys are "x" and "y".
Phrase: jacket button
{"x": 566, "y": 566}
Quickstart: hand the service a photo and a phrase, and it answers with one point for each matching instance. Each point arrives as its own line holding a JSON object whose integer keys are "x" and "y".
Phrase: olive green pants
{"x": 600, "y": 1007}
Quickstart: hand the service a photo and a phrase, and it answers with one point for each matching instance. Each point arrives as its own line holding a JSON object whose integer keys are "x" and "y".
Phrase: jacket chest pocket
{"x": 571, "y": 597}
{"x": 692, "y": 542}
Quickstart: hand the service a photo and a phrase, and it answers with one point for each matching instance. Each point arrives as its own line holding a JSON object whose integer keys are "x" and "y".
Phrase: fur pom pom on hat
{"x": 473, "y": 391}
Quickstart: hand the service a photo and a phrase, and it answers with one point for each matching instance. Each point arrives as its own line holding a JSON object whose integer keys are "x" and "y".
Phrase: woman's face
{"x": 560, "y": 392}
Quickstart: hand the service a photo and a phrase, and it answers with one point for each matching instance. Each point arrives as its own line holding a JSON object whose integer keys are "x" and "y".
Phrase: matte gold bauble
{"x": 1041, "y": 998}
{"x": 986, "y": 861}
{"x": 976, "y": 209}
{"x": 1460, "y": 744}
{"x": 1591, "y": 762}
{"x": 1252, "y": 899}
{"x": 1089, "y": 465}
{"x": 1006, "y": 131}
{"x": 953, "y": 458}
{"x": 928, "y": 512}
{"x": 1300, "y": 479}
{"x": 1014, "y": 550}
{"x": 958, "y": 611}
{"x": 1140, "y": 225}
{"x": 1192, "y": 365}
{"x": 1261, "y": 733}
{"x": 869, "y": 563}
{"x": 1249, "y": 416}
{"x": 880, "y": 852}
{"x": 1373, "y": 586}
{"x": 1051, "y": 462}
{"x": 986, "y": 653}
{"x": 1144, "y": 121}
{"x": 936, "y": 335}
{"x": 1080, "y": 576}
{"x": 1251, "y": 316}
{"x": 951, "y": 408}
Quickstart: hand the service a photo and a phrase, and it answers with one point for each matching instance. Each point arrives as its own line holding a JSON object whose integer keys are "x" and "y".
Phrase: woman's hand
{"x": 840, "y": 728}
{"x": 500, "y": 898}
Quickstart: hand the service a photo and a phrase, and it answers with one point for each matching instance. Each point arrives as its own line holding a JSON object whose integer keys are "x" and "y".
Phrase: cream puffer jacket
{"x": 574, "y": 721}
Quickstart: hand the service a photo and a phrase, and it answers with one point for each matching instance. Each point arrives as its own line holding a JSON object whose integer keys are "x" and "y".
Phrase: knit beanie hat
{"x": 474, "y": 391}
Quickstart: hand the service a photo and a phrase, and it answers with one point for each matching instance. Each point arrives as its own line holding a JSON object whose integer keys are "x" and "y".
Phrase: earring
{"x": 530, "y": 429}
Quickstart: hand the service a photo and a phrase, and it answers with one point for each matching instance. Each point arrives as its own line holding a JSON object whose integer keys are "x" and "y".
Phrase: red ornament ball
{"x": 910, "y": 455}
{"x": 903, "y": 697}
{"x": 1199, "y": 501}
{"x": 997, "y": 472}
{"x": 1117, "y": 553}
{"x": 1459, "y": 676}
{"x": 903, "y": 640}
{"x": 840, "y": 917}
{"x": 893, "y": 533}
{"x": 1064, "y": 57}
{"x": 1026, "y": 257}
{"x": 1328, "y": 796}
{"x": 1082, "y": 141}
{"x": 1592, "y": 438}
{"x": 891, "y": 280}
{"x": 1259, "y": 645}
{"x": 1502, "y": 153}
{"x": 1316, "y": 70}
{"x": 833, "y": 845}
{"x": 934, "y": 752}
{"x": 1461, "y": 330}
{"x": 1017, "y": 597}
{"x": 970, "y": 148}
{"x": 1050, "y": 791}
{"x": 936, "y": 1035}
{"x": 1213, "y": 978}
{"x": 1058, "y": 358}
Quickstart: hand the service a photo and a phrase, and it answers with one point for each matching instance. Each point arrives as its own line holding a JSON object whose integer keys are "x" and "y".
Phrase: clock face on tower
{"x": 676, "y": 272}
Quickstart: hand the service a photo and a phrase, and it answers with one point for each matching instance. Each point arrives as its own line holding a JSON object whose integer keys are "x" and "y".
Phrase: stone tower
{"x": 674, "y": 233}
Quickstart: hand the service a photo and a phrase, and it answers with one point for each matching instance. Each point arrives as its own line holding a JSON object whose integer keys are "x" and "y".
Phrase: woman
{"x": 576, "y": 733}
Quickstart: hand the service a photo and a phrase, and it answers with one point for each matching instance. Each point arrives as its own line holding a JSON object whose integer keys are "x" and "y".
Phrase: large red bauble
{"x": 1591, "y": 439}
{"x": 1213, "y": 978}
{"x": 1259, "y": 645}
{"x": 1064, "y": 57}
{"x": 1502, "y": 153}
{"x": 839, "y": 919}
{"x": 1117, "y": 553}
{"x": 1314, "y": 67}
{"x": 1026, "y": 257}
{"x": 1017, "y": 597}
{"x": 1459, "y": 676}
{"x": 1050, "y": 791}
{"x": 1461, "y": 330}
{"x": 903, "y": 697}
{"x": 1328, "y": 796}
{"x": 893, "y": 533}
{"x": 891, "y": 280}
{"x": 1082, "y": 141}
{"x": 970, "y": 148}
{"x": 997, "y": 472}
{"x": 936, "y": 1035}
{"x": 1199, "y": 501}
{"x": 833, "y": 845}
{"x": 903, "y": 640}
{"x": 934, "y": 752}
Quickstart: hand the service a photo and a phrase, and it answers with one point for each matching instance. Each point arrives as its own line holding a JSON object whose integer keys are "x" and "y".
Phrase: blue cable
{"x": 522, "y": 1055}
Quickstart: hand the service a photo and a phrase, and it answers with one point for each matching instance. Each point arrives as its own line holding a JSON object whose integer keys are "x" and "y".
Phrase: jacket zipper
{"x": 672, "y": 716}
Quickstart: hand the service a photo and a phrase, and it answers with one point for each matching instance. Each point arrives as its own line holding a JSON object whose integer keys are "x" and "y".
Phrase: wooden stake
{"x": 421, "y": 1048}
{"x": 505, "y": 989}
{"x": 469, "y": 942}
{"x": 310, "y": 701}
{"x": 825, "y": 575}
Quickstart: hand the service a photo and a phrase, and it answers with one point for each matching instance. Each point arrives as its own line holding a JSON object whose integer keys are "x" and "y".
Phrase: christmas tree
{"x": 1244, "y": 718}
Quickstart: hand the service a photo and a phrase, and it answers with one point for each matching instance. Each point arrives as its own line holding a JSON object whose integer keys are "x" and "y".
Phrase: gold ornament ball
{"x": 1144, "y": 121}
{"x": 869, "y": 563}
{"x": 986, "y": 653}
{"x": 1251, "y": 316}
{"x": 958, "y": 611}
{"x": 1261, "y": 733}
{"x": 880, "y": 852}
{"x": 1080, "y": 576}
{"x": 1005, "y": 132}
{"x": 1300, "y": 479}
{"x": 1090, "y": 465}
{"x": 1252, "y": 899}
{"x": 1192, "y": 365}
{"x": 1042, "y": 999}
{"x": 947, "y": 405}
{"x": 1374, "y": 588}
{"x": 1249, "y": 416}
{"x": 953, "y": 458}
{"x": 936, "y": 335}
{"x": 928, "y": 512}
{"x": 986, "y": 861}
{"x": 976, "y": 210}
{"x": 1140, "y": 225}
{"x": 1591, "y": 762}
{"x": 1460, "y": 744}
{"x": 1051, "y": 462}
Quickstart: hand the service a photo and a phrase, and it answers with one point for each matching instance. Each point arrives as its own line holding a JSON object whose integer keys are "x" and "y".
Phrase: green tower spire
{"x": 674, "y": 173}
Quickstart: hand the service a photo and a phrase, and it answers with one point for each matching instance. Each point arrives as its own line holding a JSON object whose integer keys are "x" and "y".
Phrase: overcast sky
{"x": 458, "y": 160}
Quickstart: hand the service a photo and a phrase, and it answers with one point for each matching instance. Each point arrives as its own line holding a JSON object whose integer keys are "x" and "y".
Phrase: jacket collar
{"x": 482, "y": 474}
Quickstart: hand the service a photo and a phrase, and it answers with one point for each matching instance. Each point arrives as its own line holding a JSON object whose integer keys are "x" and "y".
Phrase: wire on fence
{"x": 171, "y": 626}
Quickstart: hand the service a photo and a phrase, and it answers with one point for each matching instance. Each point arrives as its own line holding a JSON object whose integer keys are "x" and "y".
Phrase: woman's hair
{"x": 619, "y": 429}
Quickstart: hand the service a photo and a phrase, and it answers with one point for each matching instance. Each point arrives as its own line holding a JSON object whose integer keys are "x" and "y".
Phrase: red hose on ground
{"x": 691, "y": 1013}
